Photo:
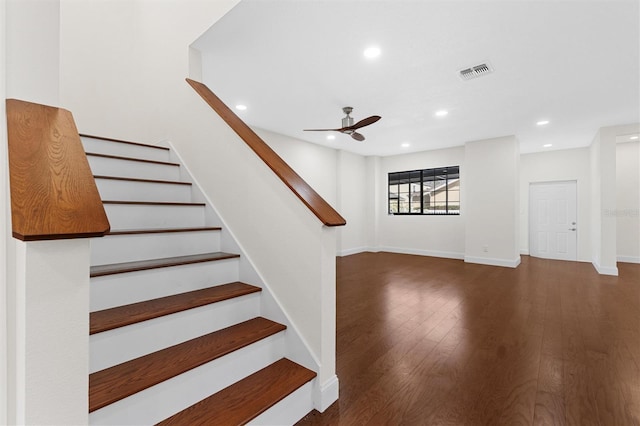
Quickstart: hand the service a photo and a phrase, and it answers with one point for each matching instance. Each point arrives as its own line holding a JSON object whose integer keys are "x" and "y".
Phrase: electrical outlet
{"x": 485, "y": 249}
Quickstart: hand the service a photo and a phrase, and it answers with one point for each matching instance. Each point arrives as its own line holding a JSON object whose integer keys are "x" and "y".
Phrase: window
{"x": 428, "y": 191}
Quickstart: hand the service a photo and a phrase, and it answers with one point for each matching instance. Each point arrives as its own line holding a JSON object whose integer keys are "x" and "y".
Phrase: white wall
{"x": 491, "y": 177}
{"x": 33, "y": 50}
{"x": 353, "y": 189}
{"x": 123, "y": 63}
{"x": 5, "y": 237}
{"x": 52, "y": 342}
{"x": 628, "y": 201}
{"x": 441, "y": 236}
{"x": 595, "y": 201}
{"x": 562, "y": 165}
{"x": 338, "y": 176}
{"x": 373, "y": 200}
{"x": 445, "y": 236}
{"x": 316, "y": 164}
{"x": 603, "y": 196}
{"x": 605, "y": 181}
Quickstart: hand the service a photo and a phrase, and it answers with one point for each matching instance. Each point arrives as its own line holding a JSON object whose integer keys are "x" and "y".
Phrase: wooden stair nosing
{"x": 109, "y": 319}
{"x": 120, "y": 381}
{"x": 162, "y": 230}
{"x": 246, "y": 399}
{"x": 153, "y": 203}
{"x": 165, "y": 148}
{"x": 140, "y": 160}
{"x": 128, "y": 179}
{"x": 143, "y": 265}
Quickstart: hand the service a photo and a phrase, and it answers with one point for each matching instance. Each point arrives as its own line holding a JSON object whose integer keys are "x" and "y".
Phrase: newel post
{"x": 55, "y": 208}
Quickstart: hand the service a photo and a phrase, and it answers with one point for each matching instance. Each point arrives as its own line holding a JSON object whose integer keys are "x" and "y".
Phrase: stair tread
{"x": 109, "y": 319}
{"x": 246, "y": 399}
{"x": 128, "y": 179}
{"x": 162, "y": 230}
{"x": 141, "y": 265}
{"x": 141, "y": 160}
{"x": 164, "y": 148}
{"x": 122, "y": 380}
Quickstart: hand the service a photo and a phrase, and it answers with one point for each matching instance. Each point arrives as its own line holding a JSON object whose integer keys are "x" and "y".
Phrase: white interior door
{"x": 552, "y": 220}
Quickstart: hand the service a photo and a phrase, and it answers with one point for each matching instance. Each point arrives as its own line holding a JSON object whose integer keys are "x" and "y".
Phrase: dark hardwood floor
{"x": 428, "y": 341}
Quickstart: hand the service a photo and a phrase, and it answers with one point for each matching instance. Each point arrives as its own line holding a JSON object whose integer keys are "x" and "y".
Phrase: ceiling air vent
{"x": 475, "y": 71}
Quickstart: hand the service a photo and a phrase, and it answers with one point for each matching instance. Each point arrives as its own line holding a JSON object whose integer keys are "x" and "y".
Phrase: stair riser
{"x": 122, "y": 289}
{"x": 121, "y": 190}
{"x": 127, "y": 248}
{"x": 167, "y": 398}
{"x": 125, "y": 343}
{"x": 288, "y": 411}
{"x": 99, "y": 146}
{"x": 133, "y": 169}
{"x": 136, "y": 216}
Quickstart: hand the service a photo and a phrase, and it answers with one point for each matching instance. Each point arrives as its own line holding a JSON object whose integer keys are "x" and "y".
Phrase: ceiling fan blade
{"x": 357, "y": 136}
{"x": 321, "y": 130}
{"x": 364, "y": 122}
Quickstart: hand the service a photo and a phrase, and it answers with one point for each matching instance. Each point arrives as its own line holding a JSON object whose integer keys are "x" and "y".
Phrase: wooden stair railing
{"x": 318, "y": 206}
{"x": 53, "y": 192}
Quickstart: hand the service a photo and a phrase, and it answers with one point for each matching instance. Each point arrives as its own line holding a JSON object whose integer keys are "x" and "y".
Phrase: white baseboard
{"x": 628, "y": 259}
{"x": 605, "y": 270}
{"x": 524, "y": 252}
{"x": 493, "y": 262}
{"x": 356, "y": 250}
{"x": 325, "y": 394}
{"x": 419, "y": 252}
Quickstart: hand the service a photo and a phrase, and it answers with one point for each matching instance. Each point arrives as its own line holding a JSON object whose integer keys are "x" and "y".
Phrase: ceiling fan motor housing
{"x": 348, "y": 120}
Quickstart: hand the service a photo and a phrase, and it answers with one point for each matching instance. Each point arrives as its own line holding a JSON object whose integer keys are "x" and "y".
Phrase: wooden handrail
{"x": 300, "y": 188}
{"x": 53, "y": 192}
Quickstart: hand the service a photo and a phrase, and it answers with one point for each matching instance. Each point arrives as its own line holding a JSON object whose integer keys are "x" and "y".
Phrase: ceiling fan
{"x": 348, "y": 127}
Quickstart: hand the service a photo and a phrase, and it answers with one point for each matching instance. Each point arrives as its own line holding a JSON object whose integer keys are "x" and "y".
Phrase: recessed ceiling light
{"x": 406, "y": 145}
{"x": 241, "y": 107}
{"x": 331, "y": 137}
{"x": 547, "y": 145}
{"x": 542, "y": 123}
{"x": 442, "y": 113}
{"x": 372, "y": 52}
{"x": 633, "y": 137}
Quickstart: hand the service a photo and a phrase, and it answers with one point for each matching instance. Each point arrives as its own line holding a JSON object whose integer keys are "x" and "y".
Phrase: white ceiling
{"x": 296, "y": 63}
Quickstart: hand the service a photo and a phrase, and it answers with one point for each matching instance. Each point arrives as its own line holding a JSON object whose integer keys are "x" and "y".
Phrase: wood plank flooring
{"x": 428, "y": 341}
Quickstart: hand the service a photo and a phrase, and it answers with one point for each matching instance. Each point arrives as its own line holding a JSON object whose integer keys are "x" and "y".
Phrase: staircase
{"x": 175, "y": 337}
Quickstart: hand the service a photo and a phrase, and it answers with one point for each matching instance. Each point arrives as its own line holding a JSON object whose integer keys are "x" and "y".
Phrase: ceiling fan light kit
{"x": 348, "y": 128}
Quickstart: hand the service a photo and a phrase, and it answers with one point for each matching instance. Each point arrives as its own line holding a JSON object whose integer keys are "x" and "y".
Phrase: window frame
{"x": 431, "y": 175}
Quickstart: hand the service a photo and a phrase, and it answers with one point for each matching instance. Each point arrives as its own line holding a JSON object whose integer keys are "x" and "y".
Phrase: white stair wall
{"x": 297, "y": 347}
